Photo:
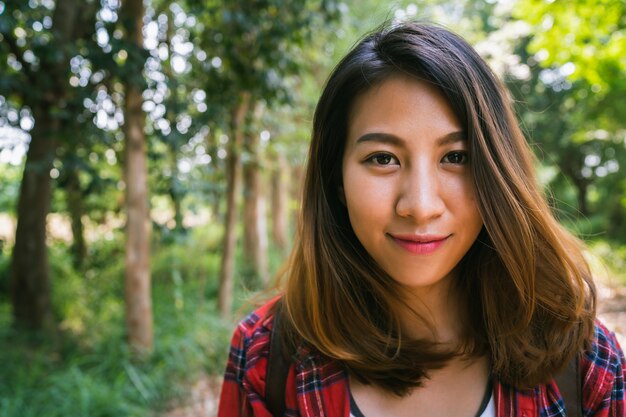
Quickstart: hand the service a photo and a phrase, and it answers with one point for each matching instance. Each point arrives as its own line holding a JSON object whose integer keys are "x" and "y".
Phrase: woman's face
{"x": 407, "y": 183}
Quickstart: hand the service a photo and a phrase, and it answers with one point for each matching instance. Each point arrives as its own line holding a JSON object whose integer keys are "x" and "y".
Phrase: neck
{"x": 433, "y": 312}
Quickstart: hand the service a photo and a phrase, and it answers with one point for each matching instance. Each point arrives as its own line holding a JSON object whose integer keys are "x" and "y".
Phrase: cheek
{"x": 472, "y": 212}
{"x": 460, "y": 195}
{"x": 367, "y": 199}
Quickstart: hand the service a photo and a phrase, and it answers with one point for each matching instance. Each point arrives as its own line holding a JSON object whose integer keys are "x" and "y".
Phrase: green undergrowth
{"x": 608, "y": 262}
{"x": 86, "y": 368}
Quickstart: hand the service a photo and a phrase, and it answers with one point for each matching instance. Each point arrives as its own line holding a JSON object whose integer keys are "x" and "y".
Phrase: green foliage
{"x": 609, "y": 263}
{"x": 259, "y": 44}
{"x": 569, "y": 99}
{"x": 5, "y": 264}
{"x": 88, "y": 371}
{"x": 10, "y": 176}
{"x": 192, "y": 258}
{"x": 591, "y": 34}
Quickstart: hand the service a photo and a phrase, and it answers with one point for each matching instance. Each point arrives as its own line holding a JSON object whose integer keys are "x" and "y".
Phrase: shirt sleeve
{"x": 243, "y": 389}
{"x": 618, "y": 402}
{"x": 603, "y": 386}
{"x": 232, "y": 399}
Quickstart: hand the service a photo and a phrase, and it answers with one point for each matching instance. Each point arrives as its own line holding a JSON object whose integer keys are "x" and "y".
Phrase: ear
{"x": 341, "y": 194}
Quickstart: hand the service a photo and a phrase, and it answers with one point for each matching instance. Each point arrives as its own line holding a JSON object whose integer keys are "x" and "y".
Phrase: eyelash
{"x": 462, "y": 154}
{"x": 374, "y": 159}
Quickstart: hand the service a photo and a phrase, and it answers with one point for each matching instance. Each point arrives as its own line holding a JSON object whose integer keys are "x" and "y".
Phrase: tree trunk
{"x": 297, "y": 182}
{"x": 215, "y": 192}
{"x": 30, "y": 272}
{"x": 581, "y": 195}
{"x": 280, "y": 201}
{"x": 255, "y": 224}
{"x": 233, "y": 172}
{"x": 581, "y": 183}
{"x": 76, "y": 210}
{"x": 175, "y": 191}
{"x": 176, "y": 194}
{"x": 138, "y": 225}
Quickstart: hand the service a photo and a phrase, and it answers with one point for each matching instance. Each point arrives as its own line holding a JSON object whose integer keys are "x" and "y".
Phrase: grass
{"x": 43, "y": 382}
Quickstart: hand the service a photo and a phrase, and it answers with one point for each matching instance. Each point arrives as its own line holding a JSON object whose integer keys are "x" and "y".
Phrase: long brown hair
{"x": 526, "y": 286}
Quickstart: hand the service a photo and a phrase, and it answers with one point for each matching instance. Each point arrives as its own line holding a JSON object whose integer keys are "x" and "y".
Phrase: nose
{"x": 419, "y": 196}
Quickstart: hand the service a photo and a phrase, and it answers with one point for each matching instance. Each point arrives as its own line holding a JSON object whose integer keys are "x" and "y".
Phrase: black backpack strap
{"x": 570, "y": 385}
{"x": 277, "y": 369}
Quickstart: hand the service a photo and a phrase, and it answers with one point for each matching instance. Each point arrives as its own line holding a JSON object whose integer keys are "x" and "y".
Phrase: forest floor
{"x": 204, "y": 393}
{"x": 612, "y": 309}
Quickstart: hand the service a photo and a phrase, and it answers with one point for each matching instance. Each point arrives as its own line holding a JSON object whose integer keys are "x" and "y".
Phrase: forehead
{"x": 403, "y": 106}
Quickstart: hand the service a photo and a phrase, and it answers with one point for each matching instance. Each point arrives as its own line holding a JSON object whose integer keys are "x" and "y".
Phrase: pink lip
{"x": 419, "y": 244}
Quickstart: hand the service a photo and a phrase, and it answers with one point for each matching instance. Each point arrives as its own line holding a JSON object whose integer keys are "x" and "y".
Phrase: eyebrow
{"x": 388, "y": 138}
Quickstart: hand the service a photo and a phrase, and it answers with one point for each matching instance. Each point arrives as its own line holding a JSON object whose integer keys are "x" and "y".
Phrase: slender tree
{"x": 76, "y": 209}
{"x": 280, "y": 199}
{"x": 255, "y": 225}
{"x": 138, "y": 225}
{"x": 233, "y": 174}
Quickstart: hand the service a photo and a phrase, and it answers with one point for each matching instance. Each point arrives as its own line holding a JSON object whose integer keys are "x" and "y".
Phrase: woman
{"x": 429, "y": 277}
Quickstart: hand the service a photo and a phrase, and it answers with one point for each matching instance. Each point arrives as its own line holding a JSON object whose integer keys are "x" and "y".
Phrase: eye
{"x": 456, "y": 158}
{"x": 382, "y": 159}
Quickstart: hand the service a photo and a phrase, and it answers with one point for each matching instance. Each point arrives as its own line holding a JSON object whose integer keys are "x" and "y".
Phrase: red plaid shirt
{"x": 318, "y": 386}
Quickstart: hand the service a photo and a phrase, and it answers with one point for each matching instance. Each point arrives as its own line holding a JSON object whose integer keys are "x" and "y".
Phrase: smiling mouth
{"x": 421, "y": 245}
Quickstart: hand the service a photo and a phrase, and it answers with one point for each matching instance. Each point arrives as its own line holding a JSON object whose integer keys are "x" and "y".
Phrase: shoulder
{"x": 311, "y": 375}
{"x": 253, "y": 332}
{"x": 250, "y": 343}
{"x": 253, "y": 336}
{"x": 604, "y": 353}
{"x": 603, "y": 366}
{"x": 243, "y": 387}
{"x": 258, "y": 322}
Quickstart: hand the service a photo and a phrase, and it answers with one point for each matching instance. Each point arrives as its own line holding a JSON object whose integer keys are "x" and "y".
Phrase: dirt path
{"x": 612, "y": 309}
{"x": 202, "y": 401}
{"x": 204, "y": 393}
